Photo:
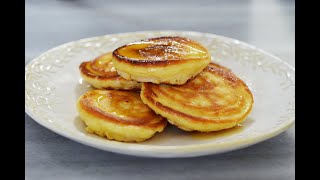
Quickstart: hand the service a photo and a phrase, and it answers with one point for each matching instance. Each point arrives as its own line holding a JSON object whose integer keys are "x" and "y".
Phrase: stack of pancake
{"x": 143, "y": 85}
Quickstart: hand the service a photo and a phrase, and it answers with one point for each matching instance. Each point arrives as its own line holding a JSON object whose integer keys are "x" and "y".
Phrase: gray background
{"x": 266, "y": 24}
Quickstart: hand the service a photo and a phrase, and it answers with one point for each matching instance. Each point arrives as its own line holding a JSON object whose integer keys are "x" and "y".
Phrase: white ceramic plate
{"x": 53, "y": 84}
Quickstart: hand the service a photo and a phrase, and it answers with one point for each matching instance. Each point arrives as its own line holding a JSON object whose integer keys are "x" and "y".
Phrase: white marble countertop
{"x": 266, "y": 24}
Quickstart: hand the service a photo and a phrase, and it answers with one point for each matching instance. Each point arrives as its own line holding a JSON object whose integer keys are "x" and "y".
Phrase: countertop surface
{"x": 268, "y": 25}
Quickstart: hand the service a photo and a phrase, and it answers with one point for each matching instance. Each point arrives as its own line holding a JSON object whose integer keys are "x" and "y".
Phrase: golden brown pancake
{"x": 101, "y": 74}
{"x": 119, "y": 115}
{"x": 216, "y": 99}
{"x": 169, "y": 60}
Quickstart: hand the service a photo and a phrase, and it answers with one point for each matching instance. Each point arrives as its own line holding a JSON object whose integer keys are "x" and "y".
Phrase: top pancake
{"x": 215, "y": 99}
{"x": 169, "y": 60}
{"x": 101, "y": 74}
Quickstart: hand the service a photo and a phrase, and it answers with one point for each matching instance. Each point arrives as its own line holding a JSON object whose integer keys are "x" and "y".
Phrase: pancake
{"x": 216, "y": 99}
{"x": 101, "y": 74}
{"x": 119, "y": 115}
{"x": 168, "y": 60}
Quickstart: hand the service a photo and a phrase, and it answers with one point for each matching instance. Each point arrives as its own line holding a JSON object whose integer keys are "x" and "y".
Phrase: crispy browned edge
{"x": 106, "y": 117}
{"x": 160, "y": 63}
{"x": 149, "y": 95}
{"x": 85, "y": 71}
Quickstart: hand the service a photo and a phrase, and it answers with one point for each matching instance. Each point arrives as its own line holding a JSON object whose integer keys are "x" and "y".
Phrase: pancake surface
{"x": 101, "y": 74}
{"x": 168, "y": 60}
{"x": 119, "y": 115}
{"x": 216, "y": 99}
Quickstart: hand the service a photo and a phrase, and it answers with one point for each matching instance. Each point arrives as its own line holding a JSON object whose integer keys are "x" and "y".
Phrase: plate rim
{"x": 143, "y": 150}
{"x": 175, "y": 150}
